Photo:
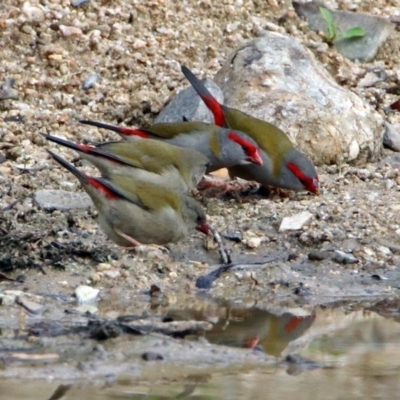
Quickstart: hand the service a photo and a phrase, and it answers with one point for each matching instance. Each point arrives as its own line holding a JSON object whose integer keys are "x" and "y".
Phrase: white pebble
{"x": 86, "y": 294}
{"x": 253, "y": 243}
{"x": 32, "y": 13}
{"x": 69, "y": 31}
{"x": 295, "y": 222}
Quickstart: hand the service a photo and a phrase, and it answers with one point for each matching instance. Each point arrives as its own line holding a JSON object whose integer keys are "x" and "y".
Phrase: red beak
{"x": 256, "y": 159}
{"x": 204, "y": 228}
{"x": 316, "y": 186}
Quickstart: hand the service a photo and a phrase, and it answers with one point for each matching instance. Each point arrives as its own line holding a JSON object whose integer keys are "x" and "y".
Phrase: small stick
{"x": 223, "y": 253}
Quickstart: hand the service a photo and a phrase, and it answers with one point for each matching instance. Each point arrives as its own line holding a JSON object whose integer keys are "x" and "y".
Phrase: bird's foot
{"x": 218, "y": 188}
{"x": 153, "y": 250}
{"x": 148, "y": 248}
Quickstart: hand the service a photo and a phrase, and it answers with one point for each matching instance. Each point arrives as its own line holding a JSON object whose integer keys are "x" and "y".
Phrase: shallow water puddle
{"x": 325, "y": 353}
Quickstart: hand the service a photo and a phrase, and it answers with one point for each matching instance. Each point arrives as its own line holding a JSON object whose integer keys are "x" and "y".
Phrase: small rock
{"x": 86, "y": 294}
{"x": 70, "y": 31}
{"x": 370, "y": 79}
{"x": 373, "y": 196}
{"x": 253, "y": 243}
{"x": 139, "y": 44}
{"x": 389, "y": 183}
{"x": 391, "y": 137}
{"x": 377, "y": 29}
{"x": 8, "y": 299}
{"x": 62, "y": 200}
{"x": 379, "y": 277}
{"x": 77, "y": 3}
{"x": 188, "y": 104}
{"x": 295, "y": 222}
{"x": 384, "y": 250}
{"x": 344, "y": 258}
{"x": 90, "y": 81}
{"x": 30, "y": 306}
{"x": 318, "y": 255}
{"x": 103, "y": 267}
{"x": 235, "y": 236}
{"x": 33, "y": 14}
{"x": 152, "y": 356}
{"x": 112, "y": 274}
{"x": 151, "y": 252}
{"x": 349, "y": 245}
{"x": 7, "y": 91}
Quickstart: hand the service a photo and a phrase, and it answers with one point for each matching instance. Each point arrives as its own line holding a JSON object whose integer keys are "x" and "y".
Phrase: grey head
{"x": 237, "y": 148}
{"x": 298, "y": 172}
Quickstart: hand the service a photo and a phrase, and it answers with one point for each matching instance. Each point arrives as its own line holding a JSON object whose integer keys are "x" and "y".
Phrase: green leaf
{"x": 327, "y": 16}
{"x": 356, "y": 32}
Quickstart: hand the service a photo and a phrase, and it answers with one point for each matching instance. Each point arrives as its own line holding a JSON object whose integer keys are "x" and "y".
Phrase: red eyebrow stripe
{"x": 239, "y": 140}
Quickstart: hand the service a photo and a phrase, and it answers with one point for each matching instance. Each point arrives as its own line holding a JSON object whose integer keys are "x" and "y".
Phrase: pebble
{"x": 253, "y": 243}
{"x": 391, "y": 137}
{"x": 295, "y": 222}
{"x": 90, "y": 81}
{"x": 7, "y": 91}
{"x": 8, "y": 299}
{"x": 86, "y": 294}
{"x": 62, "y": 200}
{"x": 32, "y": 13}
{"x": 344, "y": 258}
{"x": 384, "y": 250}
{"x": 77, "y": 3}
{"x": 318, "y": 255}
{"x": 112, "y": 274}
{"x": 70, "y": 31}
{"x": 30, "y": 306}
{"x": 389, "y": 183}
{"x": 370, "y": 79}
{"x": 377, "y": 29}
{"x": 152, "y": 356}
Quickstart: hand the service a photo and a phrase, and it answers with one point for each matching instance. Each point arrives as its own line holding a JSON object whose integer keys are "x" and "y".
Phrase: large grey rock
{"x": 61, "y": 200}
{"x": 276, "y": 79}
{"x": 377, "y": 29}
{"x": 188, "y": 104}
{"x": 391, "y": 138}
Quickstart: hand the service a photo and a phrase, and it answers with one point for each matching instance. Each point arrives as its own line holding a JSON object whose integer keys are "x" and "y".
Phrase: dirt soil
{"x": 50, "y": 49}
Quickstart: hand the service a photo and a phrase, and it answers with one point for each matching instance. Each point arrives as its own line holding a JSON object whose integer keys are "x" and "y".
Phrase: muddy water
{"x": 322, "y": 354}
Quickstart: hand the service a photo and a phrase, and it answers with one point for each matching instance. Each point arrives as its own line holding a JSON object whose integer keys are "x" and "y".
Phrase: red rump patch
{"x": 215, "y": 108}
{"x": 85, "y": 148}
{"x": 133, "y": 132}
{"x": 98, "y": 153}
{"x": 293, "y": 324}
{"x": 310, "y": 184}
{"x": 102, "y": 188}
{"x": 250, "y": 150}
{"x": 252, "y": 342}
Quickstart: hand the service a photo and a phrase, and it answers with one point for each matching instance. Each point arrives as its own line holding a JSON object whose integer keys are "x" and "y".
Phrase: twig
{"x": 223, "y": 253}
